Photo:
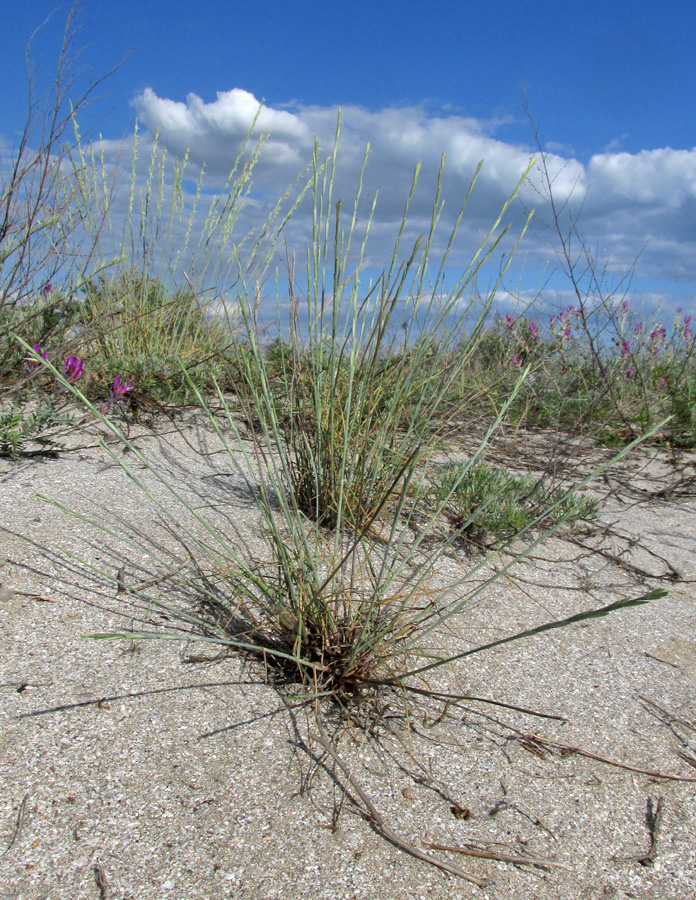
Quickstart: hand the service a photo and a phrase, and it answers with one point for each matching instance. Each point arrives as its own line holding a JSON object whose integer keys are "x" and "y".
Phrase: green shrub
{"x": 481, "y": 500}
{"x": 44, "y": 423}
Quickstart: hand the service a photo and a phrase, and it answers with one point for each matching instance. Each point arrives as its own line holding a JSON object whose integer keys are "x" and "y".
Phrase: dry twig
{"x": 653, "y": 819}
{"x": 667, "y": 776}
{"x": 377, "y": 820}
{"x": 102, "y": 883}
{"x": 20, "y": 822}
{"x": 471, "y": 850}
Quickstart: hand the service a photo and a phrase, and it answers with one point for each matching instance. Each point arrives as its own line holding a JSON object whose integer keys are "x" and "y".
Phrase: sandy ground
{"x": 128, "y": 771}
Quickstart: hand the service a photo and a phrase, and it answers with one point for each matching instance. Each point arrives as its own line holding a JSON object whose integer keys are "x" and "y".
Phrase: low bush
{"x": 480, "y": 500}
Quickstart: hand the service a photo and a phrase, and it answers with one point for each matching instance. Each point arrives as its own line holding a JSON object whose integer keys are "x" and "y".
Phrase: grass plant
{"x": 340, "y": 467}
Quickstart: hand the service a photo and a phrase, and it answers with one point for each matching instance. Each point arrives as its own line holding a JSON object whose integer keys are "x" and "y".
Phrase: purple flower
{"x": 516, "y": 361}
{"x": 509, "y": 320}
{"x": 624, "y": 306}
{"x": 552, "y": 320}
{"x": 47, "y": 289}
{"x": 630, "y": 372}
{"x": 679, "y": 310}
{"x": 119, "y": 388}
{"x": 73, "y": 368}
{"x": 638, "y": 328}
{"x": 625, "y": 349}
{"x": 534, "y": 331}
{"x": 687, "y": 320}
{"x": 33, "y": 364}
{"x": 567, "y": 331}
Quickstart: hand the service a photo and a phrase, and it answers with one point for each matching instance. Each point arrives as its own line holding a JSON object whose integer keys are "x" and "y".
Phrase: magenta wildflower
{"x": 47, "y": 289}
{"x": 630, "y": 372}
{"x": 625, "y": 349}
{"x": 119, "y": 388}
{"x": 73, "y": 368}
{"x": 638, "y": 328}
{"x": 516, "y": 361}
{"x": 687, "y": 320}
{"x": 567, "y": 331}
{"x": 33, "y": 364}
{"x": 534, "y": 331}
{"x": 624, "y": 306}
{"x": 509, "y": 320}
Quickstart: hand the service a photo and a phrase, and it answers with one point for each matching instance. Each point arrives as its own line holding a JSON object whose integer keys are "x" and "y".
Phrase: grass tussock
{"x": 336, "y": 430}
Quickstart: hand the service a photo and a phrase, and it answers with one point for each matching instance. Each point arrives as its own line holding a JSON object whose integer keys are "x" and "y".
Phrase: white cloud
{"x": 214, "y": 132}
{"x": 630, "y": 203}
{"x": 665, "y": 178}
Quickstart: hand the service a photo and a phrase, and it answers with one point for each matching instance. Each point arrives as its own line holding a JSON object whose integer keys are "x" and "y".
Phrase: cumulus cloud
{"x": 214, "y": 132}
{"x": 631, "y": 204}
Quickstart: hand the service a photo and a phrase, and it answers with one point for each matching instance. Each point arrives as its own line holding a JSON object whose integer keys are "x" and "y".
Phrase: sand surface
{"x": 129, "y": 771}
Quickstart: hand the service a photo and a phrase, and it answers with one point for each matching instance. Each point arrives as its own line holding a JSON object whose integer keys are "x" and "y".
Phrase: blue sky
{"x": 610, "y": 85}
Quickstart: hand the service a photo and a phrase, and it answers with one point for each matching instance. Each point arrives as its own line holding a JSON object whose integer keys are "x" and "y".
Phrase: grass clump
{"x": 351, "y": 400}
{"x": 348, "y": 410}
{"x": 160, "y": 340}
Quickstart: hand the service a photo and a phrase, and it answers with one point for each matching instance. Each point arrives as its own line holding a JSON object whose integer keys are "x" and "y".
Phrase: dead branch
{"x": 378, "y": 822}
{"x": 667, "y": 776}
{"x": 471, "y": 850}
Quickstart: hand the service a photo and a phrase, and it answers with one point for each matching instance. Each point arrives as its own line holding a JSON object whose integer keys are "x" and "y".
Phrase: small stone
{"x": 6, "y": 594}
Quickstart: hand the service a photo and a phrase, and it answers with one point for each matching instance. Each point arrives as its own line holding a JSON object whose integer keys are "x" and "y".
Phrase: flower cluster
{"x": 562, "y": 325}
{"x": 523, "y": 338}
{"x": 119, "y": 389}
{"x": 74, "y": 367}
{"x": 650, "y": 344}
{"x": 33, "y": 364}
